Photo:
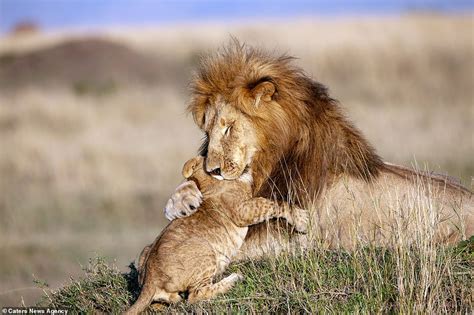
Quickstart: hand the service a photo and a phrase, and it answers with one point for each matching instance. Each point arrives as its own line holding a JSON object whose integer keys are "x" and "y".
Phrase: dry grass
{"x": 85, "y": 172}
{"x": 412, "y": 274}
{"x": 318, "y": 281}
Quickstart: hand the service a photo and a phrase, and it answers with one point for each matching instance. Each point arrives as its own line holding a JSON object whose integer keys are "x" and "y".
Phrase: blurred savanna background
{"x": 93, "y": 128}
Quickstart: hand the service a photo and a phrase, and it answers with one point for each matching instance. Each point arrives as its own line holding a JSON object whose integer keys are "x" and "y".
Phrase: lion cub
{"x": 192, "y": 250}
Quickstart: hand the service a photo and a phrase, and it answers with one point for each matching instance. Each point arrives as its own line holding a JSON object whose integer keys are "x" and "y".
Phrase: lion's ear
{"x": 263, "y": 91}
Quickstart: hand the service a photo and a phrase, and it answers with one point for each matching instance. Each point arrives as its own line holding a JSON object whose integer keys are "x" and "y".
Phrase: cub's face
{"x": 210, "y": 186}
{"x": 231, "y": 141}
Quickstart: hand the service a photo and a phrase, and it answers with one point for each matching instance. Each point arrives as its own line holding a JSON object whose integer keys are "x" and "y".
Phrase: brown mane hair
{"x": 305, "y": 141}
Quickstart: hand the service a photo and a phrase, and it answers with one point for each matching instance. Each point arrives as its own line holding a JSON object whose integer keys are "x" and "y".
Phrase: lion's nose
{"x": 213, "y": 165}
{"x": 216, "y": 171}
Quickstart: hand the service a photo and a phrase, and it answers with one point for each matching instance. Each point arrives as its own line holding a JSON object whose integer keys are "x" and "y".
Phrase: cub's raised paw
{"x": 185, "y": 201}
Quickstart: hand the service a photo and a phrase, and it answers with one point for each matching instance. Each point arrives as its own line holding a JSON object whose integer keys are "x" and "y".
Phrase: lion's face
{"x": 231, "y": 140}
{"x": 233, "y": 103}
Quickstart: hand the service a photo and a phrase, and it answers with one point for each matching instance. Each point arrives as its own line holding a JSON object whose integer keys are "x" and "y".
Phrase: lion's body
{"x": 305, "y": 151}
{"x": 400, "y": 205}
{"x": 399, "y": 201}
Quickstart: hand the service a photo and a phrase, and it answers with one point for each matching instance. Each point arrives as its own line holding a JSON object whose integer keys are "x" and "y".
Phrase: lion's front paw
{"x": 300, "y": 219}
{"x": 185, "y": 201}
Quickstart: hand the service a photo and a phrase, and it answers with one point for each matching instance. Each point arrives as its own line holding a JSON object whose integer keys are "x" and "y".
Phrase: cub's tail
{"x": 145, "y": 299}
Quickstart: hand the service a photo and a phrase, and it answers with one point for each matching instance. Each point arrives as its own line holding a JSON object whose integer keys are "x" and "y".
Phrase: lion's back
{"x": 398, "y": 200}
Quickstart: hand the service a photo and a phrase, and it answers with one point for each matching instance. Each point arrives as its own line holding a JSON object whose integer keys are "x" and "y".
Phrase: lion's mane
{"x": 305, "y": 139}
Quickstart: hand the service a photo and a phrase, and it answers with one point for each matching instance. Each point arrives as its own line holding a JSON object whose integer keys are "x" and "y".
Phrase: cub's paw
{"x": 300, "y": 220}
{"x": 185, "y": 201}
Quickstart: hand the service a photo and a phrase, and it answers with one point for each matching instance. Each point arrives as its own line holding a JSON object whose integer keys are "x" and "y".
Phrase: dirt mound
{"x": 81, "y": 64}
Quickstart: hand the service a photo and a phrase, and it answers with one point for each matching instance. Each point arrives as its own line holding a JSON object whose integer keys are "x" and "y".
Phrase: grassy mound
{"x": 365, "y": 279}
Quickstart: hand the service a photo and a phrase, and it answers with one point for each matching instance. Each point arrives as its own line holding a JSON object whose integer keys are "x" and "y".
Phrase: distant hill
{"x": 82, "y": 63}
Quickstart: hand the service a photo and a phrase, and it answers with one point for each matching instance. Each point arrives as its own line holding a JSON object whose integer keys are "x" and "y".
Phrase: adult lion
{"x": 263, "y": 115}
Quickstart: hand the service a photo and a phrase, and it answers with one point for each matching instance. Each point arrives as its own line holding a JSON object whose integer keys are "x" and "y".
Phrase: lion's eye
{"x": 227, "y": 130}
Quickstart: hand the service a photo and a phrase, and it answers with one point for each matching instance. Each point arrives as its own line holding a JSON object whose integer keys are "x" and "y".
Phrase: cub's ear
{"x": 188, "y": 168}
{"x": 263, "y": 90}
{"x": 191, "y": 166}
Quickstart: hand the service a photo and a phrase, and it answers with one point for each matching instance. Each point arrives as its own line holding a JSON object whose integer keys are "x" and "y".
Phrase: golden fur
{"x": 303, "y": 149}
{"x": 191, "y": 251}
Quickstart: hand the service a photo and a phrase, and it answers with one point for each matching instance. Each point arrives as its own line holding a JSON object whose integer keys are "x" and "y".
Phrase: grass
{"x": 365, "y": 280}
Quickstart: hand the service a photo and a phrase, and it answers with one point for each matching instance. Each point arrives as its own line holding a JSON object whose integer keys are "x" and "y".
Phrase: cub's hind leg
{"x": 212, "y": 289}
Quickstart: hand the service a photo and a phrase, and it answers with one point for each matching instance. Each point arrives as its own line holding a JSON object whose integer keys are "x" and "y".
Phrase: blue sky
{"x": 56, "y": 14}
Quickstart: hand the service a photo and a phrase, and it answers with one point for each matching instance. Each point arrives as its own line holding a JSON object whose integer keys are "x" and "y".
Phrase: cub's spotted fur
{"x": 191, "y": 251}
